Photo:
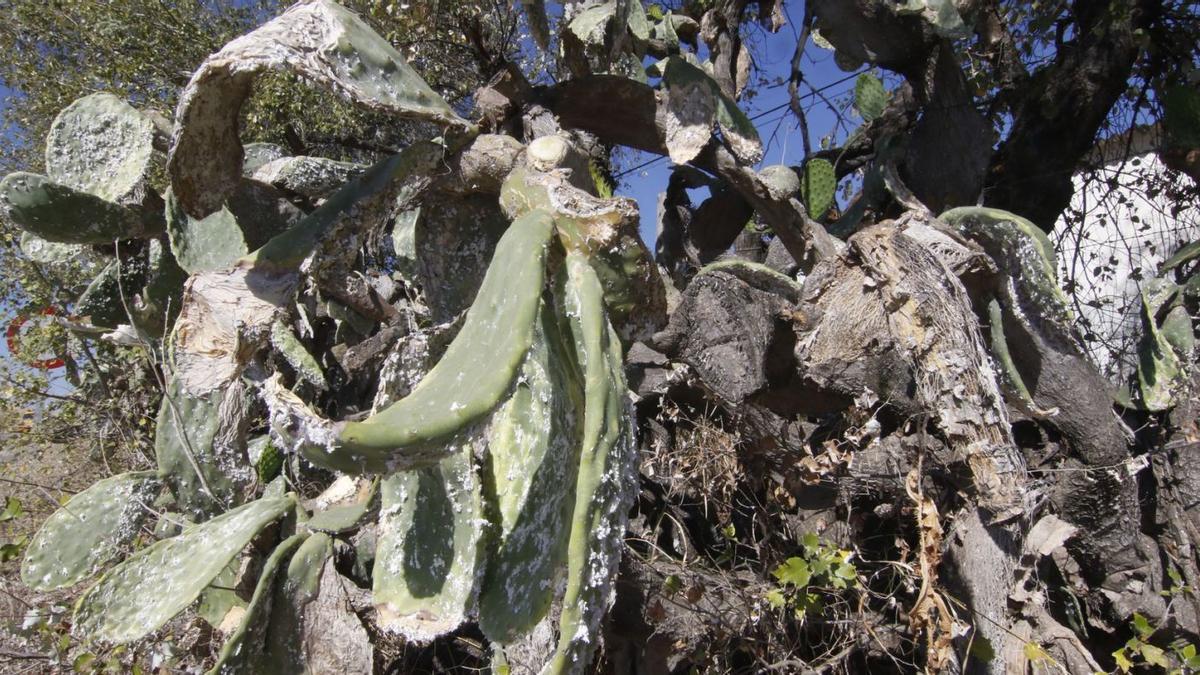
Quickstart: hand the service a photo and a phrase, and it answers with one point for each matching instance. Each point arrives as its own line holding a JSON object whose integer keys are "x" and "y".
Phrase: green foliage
{"x": 803, "y": 579}
{"x": 1181, "y": 115}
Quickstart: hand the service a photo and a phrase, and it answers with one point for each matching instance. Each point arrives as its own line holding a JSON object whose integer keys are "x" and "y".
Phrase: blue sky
{"x": 777, "y": 126}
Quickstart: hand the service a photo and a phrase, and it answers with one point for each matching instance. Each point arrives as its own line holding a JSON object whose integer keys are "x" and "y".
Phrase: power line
{"x": 757, "y": 116}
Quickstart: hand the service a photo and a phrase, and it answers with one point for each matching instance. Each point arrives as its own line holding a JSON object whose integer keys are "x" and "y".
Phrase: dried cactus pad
{"x": 322, "y": 42}
{"x": 59, "y": 213}
{"x": 103, "y": 146}
{"x": 88, "y": 531}
{"x": 144, "y": 592}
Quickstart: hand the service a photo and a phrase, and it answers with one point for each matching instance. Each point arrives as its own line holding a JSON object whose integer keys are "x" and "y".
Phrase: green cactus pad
{"x": 818, "y": 185}
{"x": 254, "y": 213}
{"x": 255, "y": 155}
{"x": 296, "y": 354}
{"x": 1163, "y": 351}
{"x": 694, "y": 102}
{"x": 1185, "y": 254}
{"x": 869, "y": 96}
{"x": 105, "y": 300}
{"x": 345, "y": 517}
{"x": 1022, "y": 249}
{"x": 430, "y": 557}
{"x": 144, "y": 592}
{"x": 162, "y": 293}
{"x": 532, "y": 446}
{"x": 606, "y": 481}
{"x": 244, "y": 646}
{"x": 283, "y": 648}
{"x": 200, "y": 432}
{"x": 1000, "y": 352}
{"x": 759, "y": 276}
{"x": 321, "y": 42}
{"x": 90, "y": 530}
{"x": 312, "y": 177}
{"x": 101, "y": 145}
{"x": 65, "y": 215}
{"x": 48, "y": 252}
{"x": 221, "y": 595}
{"x": 473, "y": 376}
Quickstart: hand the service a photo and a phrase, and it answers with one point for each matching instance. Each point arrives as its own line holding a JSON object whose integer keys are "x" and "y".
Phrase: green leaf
{"x": 1142, "y": 625}
{"x": 810, "y": 542}
{"x": 776, "y": 598}
{"x": 1155, "y": 656}
{"x": 793, "y": 571}
{"x": 83, "y": 662}
{"x": 11, "y": 550}
{"x": 1123, "y": 662}
{"x": 869, "y": 96}
{"x": 12, "y": 509}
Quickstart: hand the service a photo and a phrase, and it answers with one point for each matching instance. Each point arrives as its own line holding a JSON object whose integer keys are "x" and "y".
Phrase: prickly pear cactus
{"x": 89, "y": 531}
{"x": 818, "y": 184}
{"x": 869, "y": 96}
{"x": 103, "y": 146}
{"x": 142, "y": 593}
{"x": 59, "y": 213}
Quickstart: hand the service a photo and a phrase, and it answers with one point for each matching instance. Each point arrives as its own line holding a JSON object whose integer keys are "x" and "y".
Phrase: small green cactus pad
{"x": 1022, "y": 249}
{"x": 296, "y": 354}
{"x": 321, "y": 42}
{"x": 607, "y": 479}
{"x": 254, "y": 213}
{"x": 90, "y": 530}
{"x": 221, "y": 595}
{"x": 869, "y": 96}
{"x": 158, "y": 303}
{"x": 1162, "y": 371}
{"x": 105, "y": 300}
{"x": 1181, "y": 115}
{"x": 487, "y": 352}
{"x": 65, "y": 215}
{"x": 205, "y": 434}
{"x": 1185, "y": 254}
{"x": 266, "y": 458}
{"x": 532, "y": 446}
{"x": 101, "y": 145}
{"x": 244, "y": 646}
{"x": 48, "y": 252}
{"x": 694, "y": 102}
{"x": 590, "y": 26}
{"x": 312, "y": 177}
{"x": 818, "y": 185}
{"x": 430, "y": 557}
{"x": 255, "y": 155}
{"x": 345, "y": 517}
{"x": 1000, "y": 352}
{"x": 144, "y": 592}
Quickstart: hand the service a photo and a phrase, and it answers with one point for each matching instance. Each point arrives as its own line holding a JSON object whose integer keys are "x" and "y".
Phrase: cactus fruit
{"x": 103, "y": 146}
{"x": 245, "y": 645}
{"x": 869, "y": 96}
{"x": 532, "y": 447}
{"x": 156, "y": 583}
{"x": 818, "y": 185}
{"x": 89, "y": 531}
{"x": 65, "y": 215}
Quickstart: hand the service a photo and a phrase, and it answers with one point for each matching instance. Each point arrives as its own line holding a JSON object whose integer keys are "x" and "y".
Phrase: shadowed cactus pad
{"x": 62, "y": 214}
{"x": 869, "y": 96}
{"x": 144, "y": 592}
{"x": 89, "y": 530}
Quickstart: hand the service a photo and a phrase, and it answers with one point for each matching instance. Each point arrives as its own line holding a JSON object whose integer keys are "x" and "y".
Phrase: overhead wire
{"x": 812, "y": 93}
